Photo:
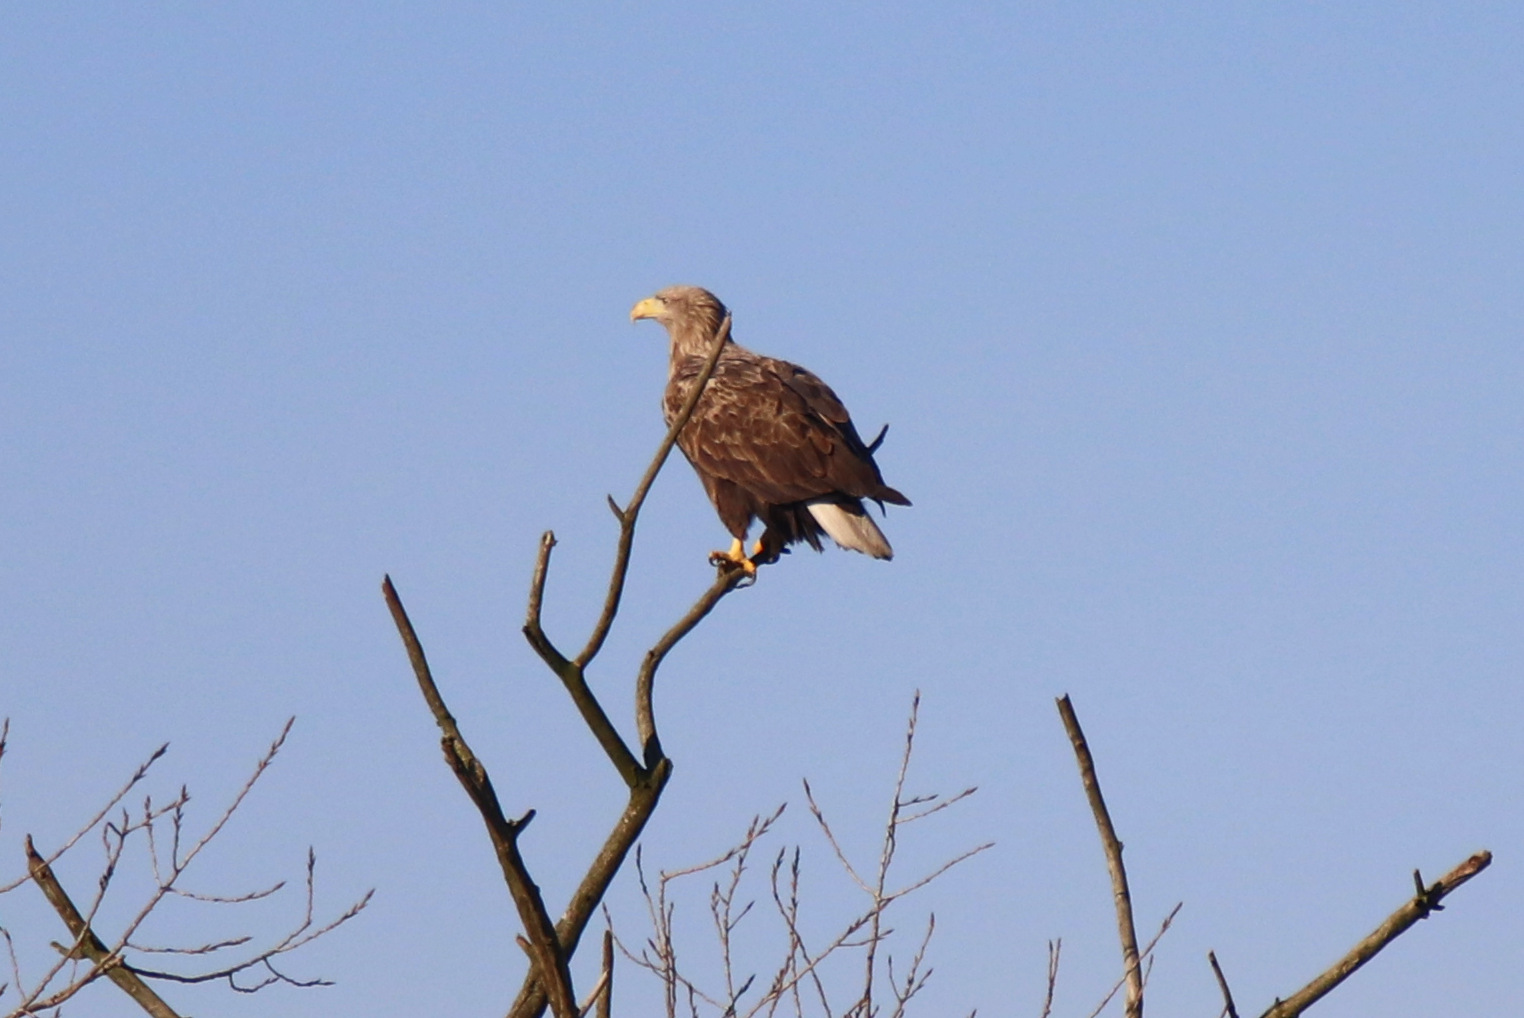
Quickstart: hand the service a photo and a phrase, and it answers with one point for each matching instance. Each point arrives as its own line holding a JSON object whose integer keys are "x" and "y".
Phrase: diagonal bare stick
{"x": 88, "y": 945}
{"x": 1228, "y": 1009}
{"x": 1128, "y": 933}
{"x": 628, "y": 514}
{"x": 544, "y": 946}
{"x": 1425, "y": 900}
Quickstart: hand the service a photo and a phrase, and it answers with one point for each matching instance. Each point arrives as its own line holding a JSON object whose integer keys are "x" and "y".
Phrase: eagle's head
{"x": 691, "y": 315}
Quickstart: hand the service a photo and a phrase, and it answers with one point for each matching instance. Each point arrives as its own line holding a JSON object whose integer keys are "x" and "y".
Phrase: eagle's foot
{"x": 735, "y": 558}
{"x": 765, "y": 552}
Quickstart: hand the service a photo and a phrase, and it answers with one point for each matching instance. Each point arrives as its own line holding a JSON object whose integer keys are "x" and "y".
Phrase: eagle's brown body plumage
{"x": 768, "y": 439}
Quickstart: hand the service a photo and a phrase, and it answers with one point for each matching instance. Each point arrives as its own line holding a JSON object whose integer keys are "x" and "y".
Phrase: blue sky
{"x": 1198, "y": 328}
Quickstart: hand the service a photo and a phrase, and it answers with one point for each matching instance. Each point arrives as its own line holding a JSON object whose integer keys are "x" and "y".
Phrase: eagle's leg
{"x": 768, "y": 548}
{"x": 735, "y": 558}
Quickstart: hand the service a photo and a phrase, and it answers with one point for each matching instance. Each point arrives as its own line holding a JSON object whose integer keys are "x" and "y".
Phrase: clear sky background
{"x": 1198, "y": 326}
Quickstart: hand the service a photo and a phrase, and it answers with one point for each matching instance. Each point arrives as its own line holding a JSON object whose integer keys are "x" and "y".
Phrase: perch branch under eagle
{"x": 768, "y": 439}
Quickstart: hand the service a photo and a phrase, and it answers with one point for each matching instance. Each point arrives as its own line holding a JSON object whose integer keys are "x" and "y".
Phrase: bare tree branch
{"x": 89, "y": 956}
{"x": 1145, "y": 955}
{"x": 552, "y": 947}
{"x": 90, "y": 946}
{"x": 797, "y": 982}
{"x": 573, "y": 675}
{"x": 631, "y": 511}
{"x": 111, "y": 804}
{"x": 645, "y": 681}
{"x": 1228, "y": 1010}
{"x": 1424, "y": 901}
{"x": 543, "y": 945}
{"x": 1055, "y": 948}
{"x": 1113, "y": 848}
{"x": 303, "y": 934}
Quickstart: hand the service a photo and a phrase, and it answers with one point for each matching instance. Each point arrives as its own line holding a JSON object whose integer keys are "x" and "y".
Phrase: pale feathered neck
{"x": 693, "y": 315}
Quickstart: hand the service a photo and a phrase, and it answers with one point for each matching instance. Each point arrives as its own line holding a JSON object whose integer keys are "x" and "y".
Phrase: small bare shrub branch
{"x": 799, "y": 983}
{"x": 160, "y": 829}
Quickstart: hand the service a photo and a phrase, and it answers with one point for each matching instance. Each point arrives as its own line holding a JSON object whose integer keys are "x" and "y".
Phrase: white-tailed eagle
{"x": 768, "y": 439}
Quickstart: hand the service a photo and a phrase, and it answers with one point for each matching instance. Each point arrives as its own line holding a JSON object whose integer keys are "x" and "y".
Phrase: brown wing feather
{"x": 774, "y": 430}
{"x": 861, "y": 478}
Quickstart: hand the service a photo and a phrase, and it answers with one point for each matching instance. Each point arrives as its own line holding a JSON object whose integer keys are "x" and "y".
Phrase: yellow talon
{"x": 736, "y": 556}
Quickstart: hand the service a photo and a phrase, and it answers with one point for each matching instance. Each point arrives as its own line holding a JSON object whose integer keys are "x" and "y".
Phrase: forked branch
{"x": 551, "y": 946}
{"x": 1425, "y": 900}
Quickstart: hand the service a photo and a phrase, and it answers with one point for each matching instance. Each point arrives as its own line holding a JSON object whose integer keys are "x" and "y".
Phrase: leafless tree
{"x": 160, "y": 831}
{"x": 645, "y": 769}
{"x": 796, "y": 981}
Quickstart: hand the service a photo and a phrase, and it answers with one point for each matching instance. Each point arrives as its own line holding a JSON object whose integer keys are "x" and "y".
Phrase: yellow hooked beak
{"x": 651, "y": 307}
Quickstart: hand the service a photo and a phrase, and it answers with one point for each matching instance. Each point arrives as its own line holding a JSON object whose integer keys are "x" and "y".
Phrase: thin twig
{"x": 88, "y": 944}
{"x": 1145, "y": 956}
{"x": 825, "y": 828}
{"x": 915, "y": 979}
{"x": 1228, "y": 1010}
{"x": 534, "y": 628}
{"x": 1426, "y": 900}
{"x": 111, "y": 804}
{"x": 304, "y": 933}
{"x": 1113, "y": 848}
{"x": 645, "y": 680}
{"x": 627, "y": 515}
{"x": 939, "y": 804}
{"x": 1055, "y": 948}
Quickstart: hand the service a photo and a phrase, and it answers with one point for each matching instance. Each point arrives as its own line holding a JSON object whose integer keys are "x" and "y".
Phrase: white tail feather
{"x": 854, "y": 530}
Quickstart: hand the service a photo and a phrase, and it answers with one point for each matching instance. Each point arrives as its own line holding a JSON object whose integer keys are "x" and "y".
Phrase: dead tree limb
{"x": 606, "y": 992}
{"x": 645, "y": 681}
{"x": 89, "y": 946}
{"x": 1424, "y": 901}
{"x": 1228, "y": 1010}
{"x": 552, "y": 946}
{"x": 543, "y": 946}
{"x": 1055, "y": 949}
{"x": 1145, "y": 958}
{"x": 627, "y": 516}
{"x": 1126, "y": 931}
